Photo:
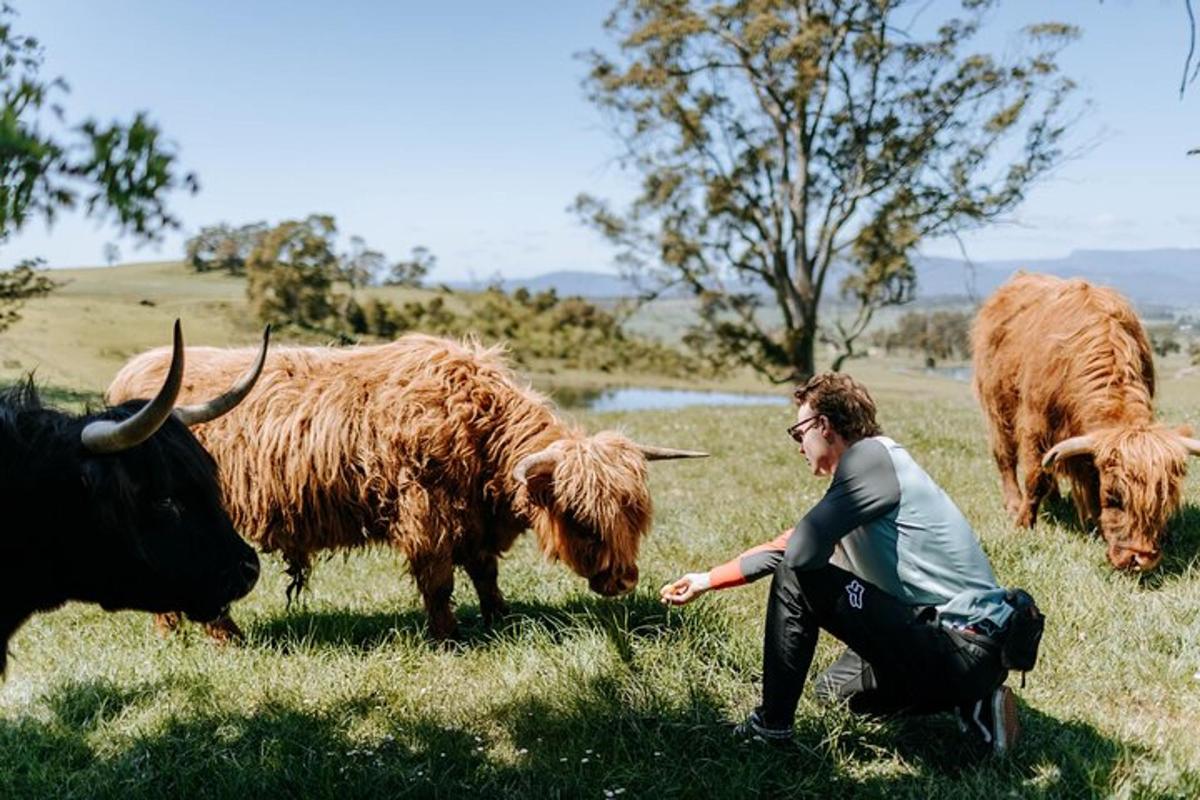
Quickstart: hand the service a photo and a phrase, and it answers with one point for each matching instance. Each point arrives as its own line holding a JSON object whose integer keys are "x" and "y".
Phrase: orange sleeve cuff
{"x": 726, "y": 575}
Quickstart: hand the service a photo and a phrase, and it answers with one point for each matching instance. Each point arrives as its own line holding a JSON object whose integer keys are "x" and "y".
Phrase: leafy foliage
{"x": 939, "y": 335}
{"x": 541, "y": 330}
{"x": 223, "y": 248}
{"x": 291, "y": 272}
{"x": 119, "y": 172}
{"x": 1163, "y": 340}
{"x": 19, "y": 284}
{"x": 411, "y": 271}
{"x": 775, "y": 140}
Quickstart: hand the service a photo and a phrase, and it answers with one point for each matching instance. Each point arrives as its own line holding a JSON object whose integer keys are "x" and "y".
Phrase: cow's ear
{"x": 539, "y": 482}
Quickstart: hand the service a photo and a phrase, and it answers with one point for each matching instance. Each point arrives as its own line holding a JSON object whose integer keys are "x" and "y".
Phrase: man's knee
{"x": 807, "y": 586}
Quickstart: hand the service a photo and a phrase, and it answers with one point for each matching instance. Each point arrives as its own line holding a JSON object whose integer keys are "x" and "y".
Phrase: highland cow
{"x": 121, "y": 507}
{"x": 427, "y": 445}
{"x": 1064, "y": 373}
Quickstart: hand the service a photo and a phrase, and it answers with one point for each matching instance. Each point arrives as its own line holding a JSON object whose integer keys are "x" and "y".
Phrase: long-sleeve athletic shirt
{"x": 885, "y": 520}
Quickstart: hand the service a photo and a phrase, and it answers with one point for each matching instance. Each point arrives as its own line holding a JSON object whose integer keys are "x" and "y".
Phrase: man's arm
{"x": 751, "y": 565}
{"x": 864, "y": 488}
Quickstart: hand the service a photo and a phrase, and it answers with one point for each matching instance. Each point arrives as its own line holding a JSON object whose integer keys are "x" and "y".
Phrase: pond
{"x": 958, "y": 373}
{"x": 640, "y": 399}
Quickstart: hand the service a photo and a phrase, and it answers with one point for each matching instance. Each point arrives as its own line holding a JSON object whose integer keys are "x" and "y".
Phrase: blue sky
{"x": 461, "y": 126}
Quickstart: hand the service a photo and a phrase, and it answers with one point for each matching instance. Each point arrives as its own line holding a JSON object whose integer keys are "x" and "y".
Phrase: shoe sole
{"x": 1006, "y": 727}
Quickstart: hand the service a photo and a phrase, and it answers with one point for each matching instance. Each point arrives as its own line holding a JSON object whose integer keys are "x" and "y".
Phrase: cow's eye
{"x": 1113, "y": 500}
{"x": 169, "y": 505}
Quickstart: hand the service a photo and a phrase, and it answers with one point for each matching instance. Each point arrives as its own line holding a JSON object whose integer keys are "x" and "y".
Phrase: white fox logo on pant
{"x": 855, "y": 590}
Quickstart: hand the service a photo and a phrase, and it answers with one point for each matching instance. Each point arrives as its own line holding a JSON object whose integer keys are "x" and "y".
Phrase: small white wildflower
{"x": 523, "y": 752}
{"x": 584, "y": 760}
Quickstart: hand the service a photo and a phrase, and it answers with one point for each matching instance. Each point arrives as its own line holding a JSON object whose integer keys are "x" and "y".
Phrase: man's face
{"x": 809, "y": 433}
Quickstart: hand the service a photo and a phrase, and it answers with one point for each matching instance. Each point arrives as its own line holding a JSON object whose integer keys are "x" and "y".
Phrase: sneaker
{"x": 994, "y": 719}
{"x": 753, "y": 728}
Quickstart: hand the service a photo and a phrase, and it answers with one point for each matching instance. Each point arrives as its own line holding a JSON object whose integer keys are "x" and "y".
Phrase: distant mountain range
{"x": 1167, "y": 277}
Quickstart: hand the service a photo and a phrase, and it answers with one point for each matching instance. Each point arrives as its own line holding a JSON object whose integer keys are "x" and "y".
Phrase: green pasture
{"x": 342, "y": 696}
{"x": 78, "y": 337}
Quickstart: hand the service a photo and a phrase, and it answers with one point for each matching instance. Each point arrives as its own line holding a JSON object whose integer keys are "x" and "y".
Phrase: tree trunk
{"x": 802, "y": 343}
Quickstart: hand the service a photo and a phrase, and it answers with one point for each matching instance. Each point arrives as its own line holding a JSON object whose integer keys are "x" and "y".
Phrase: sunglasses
{"x": 797, "y": 430}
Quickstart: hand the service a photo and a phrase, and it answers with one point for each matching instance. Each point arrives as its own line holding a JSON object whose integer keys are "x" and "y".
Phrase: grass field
{"x": 572, "y": 695}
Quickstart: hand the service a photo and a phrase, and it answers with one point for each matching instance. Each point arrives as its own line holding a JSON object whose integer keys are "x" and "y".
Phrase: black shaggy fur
{"x": 144, "y": 528}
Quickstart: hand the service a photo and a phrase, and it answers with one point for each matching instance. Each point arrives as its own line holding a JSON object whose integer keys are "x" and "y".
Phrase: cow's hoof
{"x": 224, "y": 631}
{"x": 166, "y": 624}
{"x": 494, "y": 612}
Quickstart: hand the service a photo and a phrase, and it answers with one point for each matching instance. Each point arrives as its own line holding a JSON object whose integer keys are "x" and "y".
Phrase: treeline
{"x": 296, "y": 277}
{"x": 937, "y": 335}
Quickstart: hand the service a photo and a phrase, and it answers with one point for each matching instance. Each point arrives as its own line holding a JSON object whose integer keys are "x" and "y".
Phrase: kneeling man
{"x": 887, "y": 564}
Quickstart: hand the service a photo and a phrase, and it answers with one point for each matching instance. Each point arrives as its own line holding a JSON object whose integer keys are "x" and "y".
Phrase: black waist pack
{"x": 1023, "y": 634}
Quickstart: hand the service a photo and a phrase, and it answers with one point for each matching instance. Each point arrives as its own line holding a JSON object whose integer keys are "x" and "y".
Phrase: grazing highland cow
{"x": 120, "y": 508}
{"x": 1064, "y": 373}
{"x": 428, "y": 445}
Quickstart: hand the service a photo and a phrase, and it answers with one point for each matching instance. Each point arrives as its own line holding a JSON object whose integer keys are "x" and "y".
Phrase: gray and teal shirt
{"x": 885, "y": 520}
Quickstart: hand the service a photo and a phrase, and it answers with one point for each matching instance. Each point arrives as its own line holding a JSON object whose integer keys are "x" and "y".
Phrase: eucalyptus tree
{"x": 783, "y": 143}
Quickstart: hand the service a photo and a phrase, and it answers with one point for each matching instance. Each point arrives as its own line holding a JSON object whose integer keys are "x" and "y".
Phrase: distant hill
{"x": 1167, "y": 277}
{"x": 566, "y": 282}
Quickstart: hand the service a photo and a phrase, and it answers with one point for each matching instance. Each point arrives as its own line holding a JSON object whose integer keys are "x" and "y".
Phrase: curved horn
{"x": 107, "y": 436}
{"x": 1075, "y": 446}
{"x": 207, "y": 412}
{"x": 653, "y": 453}
{"x": 1192, "y": 445}
{"x": 547, "y": 456}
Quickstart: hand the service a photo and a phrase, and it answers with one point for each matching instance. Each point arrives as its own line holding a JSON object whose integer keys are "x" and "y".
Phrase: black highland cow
{"x": 121, "y": 507}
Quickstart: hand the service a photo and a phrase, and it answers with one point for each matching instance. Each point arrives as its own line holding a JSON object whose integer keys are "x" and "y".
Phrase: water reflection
{"x": 630, "y": 399}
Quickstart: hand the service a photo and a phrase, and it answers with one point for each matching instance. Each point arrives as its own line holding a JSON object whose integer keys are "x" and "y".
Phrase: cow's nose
{"x": 1135, "y": 558}
{"x": 250, "y": 570}
{"x": 1146, "y": 560}
{"x": 242, "y": 577}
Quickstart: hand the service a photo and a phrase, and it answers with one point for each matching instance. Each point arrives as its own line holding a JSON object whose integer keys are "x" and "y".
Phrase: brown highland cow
{"x": 1065, "y": 376}
{"x": 428, "y": 445}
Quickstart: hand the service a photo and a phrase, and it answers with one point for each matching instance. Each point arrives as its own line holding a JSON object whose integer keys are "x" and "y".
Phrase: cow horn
{"x": 207, "y": 412}
{"x": 1192, "y": 445}
{"x": 107, "y": 436}
{"x": 548, "y": 456}
{"x": 653, "y": 453}
{"x": 1075, "y": 446}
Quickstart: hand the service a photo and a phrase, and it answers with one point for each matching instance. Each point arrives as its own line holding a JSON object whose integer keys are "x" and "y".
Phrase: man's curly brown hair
{"x": 843, "y": 401}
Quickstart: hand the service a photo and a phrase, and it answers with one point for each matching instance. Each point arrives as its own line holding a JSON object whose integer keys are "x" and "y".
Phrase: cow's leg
{"x": 1004, "y": 450}
{"x": 167, "y": 623}
{"x": 1037, "y": 482}
{"x": 483, "y": 569}
{"x": 1003, "y": 440}
{"x": 222, "y": 630}
{"x": 435, "y": 580}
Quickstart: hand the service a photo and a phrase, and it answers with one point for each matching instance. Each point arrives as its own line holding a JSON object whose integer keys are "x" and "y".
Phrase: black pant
{"x": 899, "y": 658}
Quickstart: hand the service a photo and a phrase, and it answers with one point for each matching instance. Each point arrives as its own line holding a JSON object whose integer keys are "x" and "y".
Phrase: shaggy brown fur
{"x": 1055, "y": 359}
{"x": 413, "y": 444}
